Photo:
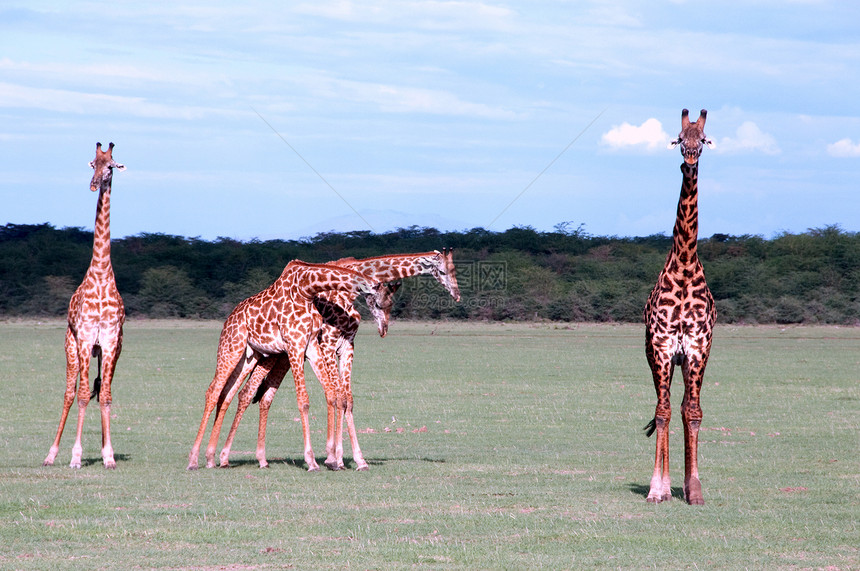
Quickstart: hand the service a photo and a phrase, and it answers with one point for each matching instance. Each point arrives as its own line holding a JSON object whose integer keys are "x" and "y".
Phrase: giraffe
{"x": 336, "y": 342}
{"x": 679, "y": 318}
{"x": 95, "y": 318}
{"x": 280, "y": 319}
{"x": 277, "y": 366}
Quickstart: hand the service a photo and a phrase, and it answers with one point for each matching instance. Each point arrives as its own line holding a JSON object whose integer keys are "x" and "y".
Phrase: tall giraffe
{"x": 96, "y": 315}
{"x": 679, "y": 318}
{"x": 336, "y": 342}
{"x": 281, "y": 319}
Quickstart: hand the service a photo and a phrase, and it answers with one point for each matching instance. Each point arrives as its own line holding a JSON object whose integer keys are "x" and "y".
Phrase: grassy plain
{"x": 492, "y": 446}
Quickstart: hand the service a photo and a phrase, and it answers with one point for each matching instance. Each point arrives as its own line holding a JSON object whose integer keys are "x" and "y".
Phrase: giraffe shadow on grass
{"x": 99, "y": 460}
{"x": 643, "y": 489}
{"x": 294, "y": 462}
{"x": 299, "y": 462}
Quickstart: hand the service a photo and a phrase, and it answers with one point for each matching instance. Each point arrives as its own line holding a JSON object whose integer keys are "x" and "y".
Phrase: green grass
{"x": 490, "y": 446}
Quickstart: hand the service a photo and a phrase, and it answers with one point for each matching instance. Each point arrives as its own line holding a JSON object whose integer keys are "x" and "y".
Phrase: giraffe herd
{"x": 308, "y": 313}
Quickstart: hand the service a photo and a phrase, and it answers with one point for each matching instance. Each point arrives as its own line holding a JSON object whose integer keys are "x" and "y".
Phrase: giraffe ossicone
{"x": 692, "y": 137}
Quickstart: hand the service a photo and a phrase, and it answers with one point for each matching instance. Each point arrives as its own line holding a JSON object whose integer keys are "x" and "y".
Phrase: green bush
{"x": 564, "y": 275}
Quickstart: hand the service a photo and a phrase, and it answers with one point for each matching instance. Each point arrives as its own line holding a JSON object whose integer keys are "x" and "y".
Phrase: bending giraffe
{"x": 280, "y": 319}
{"x": 95, "y": 318}
{"x": 336, "y": 343}
{"x": 277, "y": 366}
{"x": 679, "y": 318}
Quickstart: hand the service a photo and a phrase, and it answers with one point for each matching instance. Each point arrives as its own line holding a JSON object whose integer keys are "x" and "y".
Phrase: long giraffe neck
{"x": 390, "y": 268}
{"x": 313, "y": 279}
{"x": 101, "y": 235}
{"x": 686, "y": 232}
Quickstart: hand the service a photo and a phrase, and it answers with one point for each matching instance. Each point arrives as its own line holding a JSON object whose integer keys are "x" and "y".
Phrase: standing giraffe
{"x": 280, "y": 319}
{"x": 679, "y": 318}
{"x": 96, "y": 315}
{"x": 336, "y": 343}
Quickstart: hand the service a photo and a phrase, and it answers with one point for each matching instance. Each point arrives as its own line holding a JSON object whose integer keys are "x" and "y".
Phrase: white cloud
{"x": 649, "y": 134}
{"x": 844, "y": 148}
{"x": 749, "y": 137}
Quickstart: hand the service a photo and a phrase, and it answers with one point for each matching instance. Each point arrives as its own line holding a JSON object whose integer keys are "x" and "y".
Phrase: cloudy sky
{"x": 277, "y": 119}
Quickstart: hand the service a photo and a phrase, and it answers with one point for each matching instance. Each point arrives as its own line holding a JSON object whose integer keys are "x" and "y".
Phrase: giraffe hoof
{"x": 693, "y": 493}
{"x": 110, "y": 465}
{"x": 362, "y": 468}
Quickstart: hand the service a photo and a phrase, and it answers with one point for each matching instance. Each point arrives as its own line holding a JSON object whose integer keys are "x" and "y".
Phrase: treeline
{"x": 518, "y": 274}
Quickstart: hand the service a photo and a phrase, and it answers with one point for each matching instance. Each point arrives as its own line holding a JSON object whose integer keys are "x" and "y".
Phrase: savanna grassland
{"x": 491, "y": 445}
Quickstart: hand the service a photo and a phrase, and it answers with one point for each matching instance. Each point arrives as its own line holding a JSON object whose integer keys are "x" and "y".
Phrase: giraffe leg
{"x": 346, "y": 358}
{"x": 661, "y": 484}
{"x": 247, "y": 365}
{"x": 68, "y": 396}
{"x": 334, "y": 415}
{"x": 246, "y": 395}
{"x": 297, "y": 358}
{"x": 109, "y": 360}
{"x": 275, "y": 378}
{"x": 316, "y": 358}
{"x": 229, "y": 360}
{"x": 322, "y": 364}
{"x": 691, "y": 415}
{"x": 265, "y": 405}
{"x": 84, "y": 353}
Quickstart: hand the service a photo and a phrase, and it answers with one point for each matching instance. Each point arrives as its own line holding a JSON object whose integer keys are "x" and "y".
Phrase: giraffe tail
{"x": 97, "y": 383}
{"x": 650, "y": 427}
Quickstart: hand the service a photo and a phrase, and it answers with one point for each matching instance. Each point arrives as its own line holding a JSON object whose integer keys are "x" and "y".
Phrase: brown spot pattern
{"x": 679, "y": 317}
{"x": 333, "y": 349}
{"x": 95, "y": 319}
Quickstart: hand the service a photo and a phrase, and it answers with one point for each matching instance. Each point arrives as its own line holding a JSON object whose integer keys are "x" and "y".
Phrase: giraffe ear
{"x": 674, "y": 143}
{"x": 119, "y": 167}
{"x": 710, "y": 143}
{"x": 92, "y": 164}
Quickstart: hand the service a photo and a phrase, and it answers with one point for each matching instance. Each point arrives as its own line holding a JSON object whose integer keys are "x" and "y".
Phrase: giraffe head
{"x": 103, "y": 164}
{"x": 445, "y": 272}
{"x": 692, "y": 137}
{"x": 380, "y": 301}
{"x": 386, "y": 304}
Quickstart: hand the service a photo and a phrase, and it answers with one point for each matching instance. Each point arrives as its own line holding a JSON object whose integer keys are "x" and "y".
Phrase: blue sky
{"x": 283, "y": 119}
